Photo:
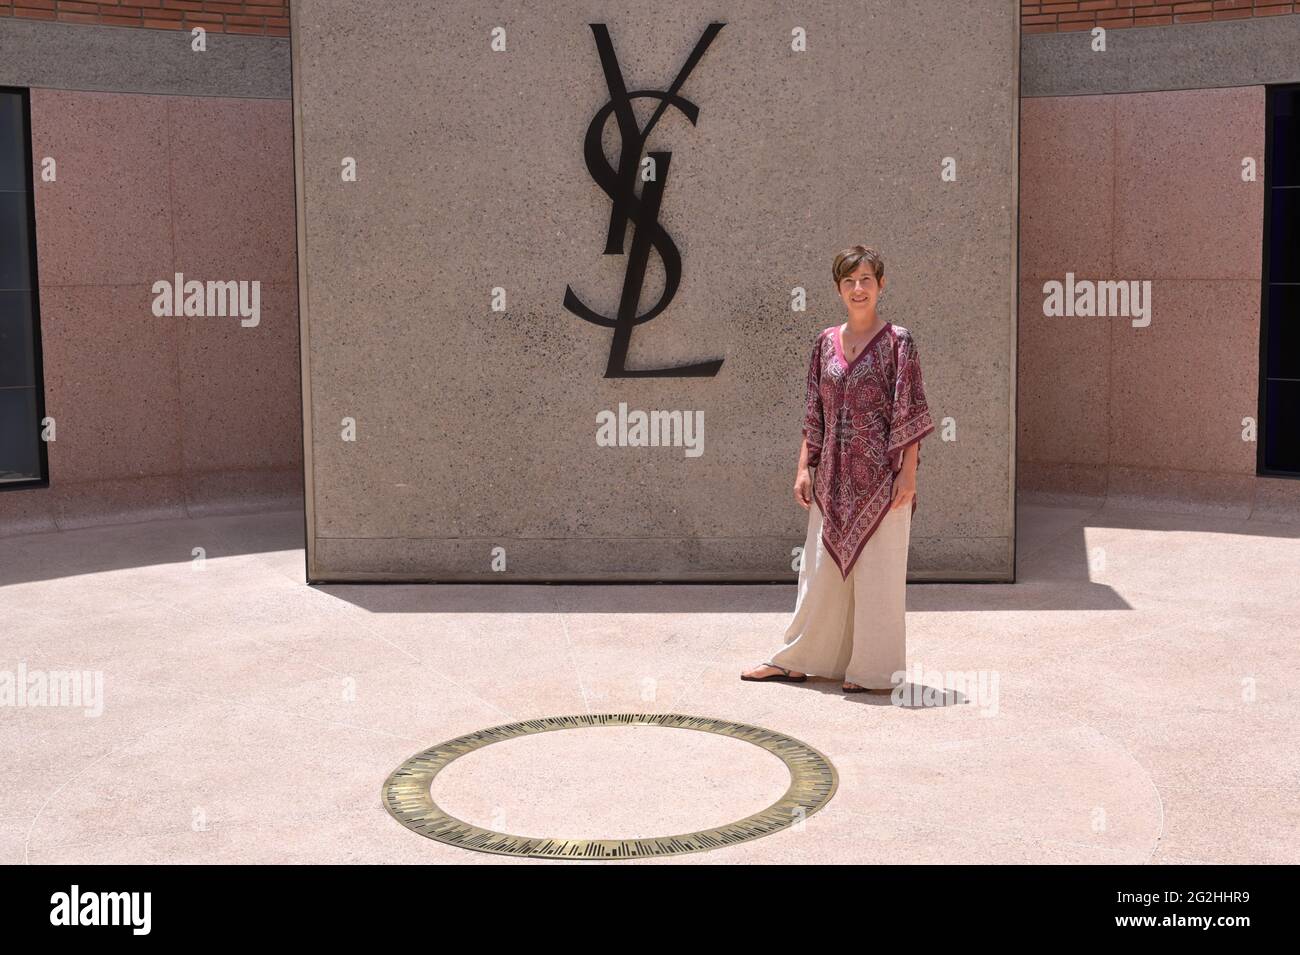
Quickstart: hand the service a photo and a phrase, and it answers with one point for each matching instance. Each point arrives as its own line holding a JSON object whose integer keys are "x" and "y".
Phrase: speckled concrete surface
{"x": 472, "y": 423}
{"x": 88, "y": 57}
{"x": 1145, "y": 711}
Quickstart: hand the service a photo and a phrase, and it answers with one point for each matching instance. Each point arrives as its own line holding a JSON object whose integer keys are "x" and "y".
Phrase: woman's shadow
{"x": 908, "y": 696}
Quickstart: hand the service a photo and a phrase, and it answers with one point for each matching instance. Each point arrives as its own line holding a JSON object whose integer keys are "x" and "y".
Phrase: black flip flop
{"x": 782, "y": 677}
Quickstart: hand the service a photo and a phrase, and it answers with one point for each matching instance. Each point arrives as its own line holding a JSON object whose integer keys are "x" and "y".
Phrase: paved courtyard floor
{"x": 1140, "y": 703}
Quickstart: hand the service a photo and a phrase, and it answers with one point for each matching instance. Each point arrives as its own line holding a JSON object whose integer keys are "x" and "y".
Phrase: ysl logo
{"x": 643, "y": 210}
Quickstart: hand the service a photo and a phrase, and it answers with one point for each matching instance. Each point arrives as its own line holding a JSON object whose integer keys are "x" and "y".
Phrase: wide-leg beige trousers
{"x": 852, "y": 629}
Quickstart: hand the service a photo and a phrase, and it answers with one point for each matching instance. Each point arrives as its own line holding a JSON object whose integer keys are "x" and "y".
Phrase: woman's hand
{"x": 803, "y": 488}
{"x": 904, "y": 488}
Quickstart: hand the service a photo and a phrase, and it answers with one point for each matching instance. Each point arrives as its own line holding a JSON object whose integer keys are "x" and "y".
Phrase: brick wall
{"x": 271, "y": 17}
{"x": 1044, "y": 16}
{"x": 261, "y": 17}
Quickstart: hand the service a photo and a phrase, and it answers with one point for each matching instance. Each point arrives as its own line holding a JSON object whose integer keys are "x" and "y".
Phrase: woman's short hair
{"x": 847, "y": 262}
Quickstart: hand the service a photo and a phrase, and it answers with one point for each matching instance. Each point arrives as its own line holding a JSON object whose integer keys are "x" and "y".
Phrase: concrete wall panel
{"x": 476, "y": 428}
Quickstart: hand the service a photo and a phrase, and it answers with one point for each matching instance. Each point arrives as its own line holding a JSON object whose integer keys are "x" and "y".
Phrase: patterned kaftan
{"x": 859, "y": 417}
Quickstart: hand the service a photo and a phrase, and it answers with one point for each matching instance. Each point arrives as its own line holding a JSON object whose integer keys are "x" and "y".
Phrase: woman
{"x": 863, "y": 422}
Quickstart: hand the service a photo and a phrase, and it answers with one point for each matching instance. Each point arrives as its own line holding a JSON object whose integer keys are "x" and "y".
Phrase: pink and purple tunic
{"x": 859, "y": 418}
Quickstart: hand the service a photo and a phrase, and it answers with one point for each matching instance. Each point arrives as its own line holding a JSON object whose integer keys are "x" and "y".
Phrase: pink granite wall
{"x": 163, "y": 417}
{"x": 1144, "y": 186}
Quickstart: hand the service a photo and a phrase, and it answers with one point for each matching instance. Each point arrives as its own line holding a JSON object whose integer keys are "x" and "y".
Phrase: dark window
{"x": 1279, "y": 379}
{"x": 22, "y": 393}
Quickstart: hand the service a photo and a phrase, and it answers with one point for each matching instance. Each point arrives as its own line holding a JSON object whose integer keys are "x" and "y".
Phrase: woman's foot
{"x": 773, "y": 673}
{"x": 854, "y": 688}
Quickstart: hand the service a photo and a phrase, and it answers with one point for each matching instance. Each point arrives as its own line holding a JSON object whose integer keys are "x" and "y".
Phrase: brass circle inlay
{"x": 408, "y": 792}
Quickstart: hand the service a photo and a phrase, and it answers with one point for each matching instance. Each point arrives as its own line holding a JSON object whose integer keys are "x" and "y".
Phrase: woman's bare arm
{"x": 905, "y": 481}
{"x": 802, "y": 479}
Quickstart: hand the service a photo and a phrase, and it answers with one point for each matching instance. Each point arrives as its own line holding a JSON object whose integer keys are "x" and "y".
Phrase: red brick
{"x": 271, "y": 17}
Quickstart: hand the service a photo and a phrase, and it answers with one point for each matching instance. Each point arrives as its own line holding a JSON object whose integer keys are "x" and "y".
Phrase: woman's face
{"x": 860, "y": 291}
